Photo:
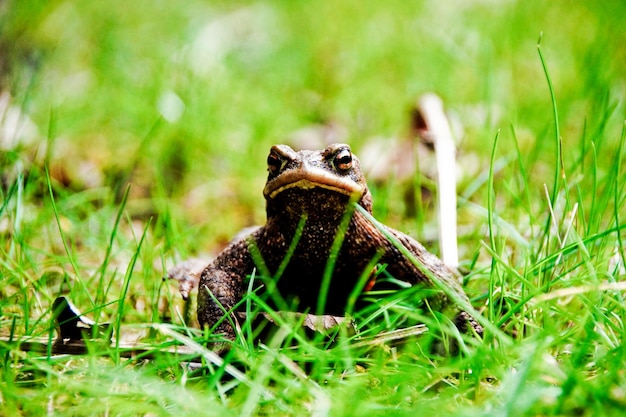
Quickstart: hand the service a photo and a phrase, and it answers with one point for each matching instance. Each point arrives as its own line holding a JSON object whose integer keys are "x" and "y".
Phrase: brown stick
{"x": 437, "y": 130}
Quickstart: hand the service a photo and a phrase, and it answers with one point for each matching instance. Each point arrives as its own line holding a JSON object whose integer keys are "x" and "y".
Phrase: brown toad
{"x": 316, "y": 188}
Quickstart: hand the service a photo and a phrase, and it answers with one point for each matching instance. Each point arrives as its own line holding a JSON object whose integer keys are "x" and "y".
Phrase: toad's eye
{"x": 274, "y": 163}
{"x": 343, "y": 160}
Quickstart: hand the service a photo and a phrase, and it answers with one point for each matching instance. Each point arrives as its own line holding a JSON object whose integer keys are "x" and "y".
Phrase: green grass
{"x": 145, "y": 128}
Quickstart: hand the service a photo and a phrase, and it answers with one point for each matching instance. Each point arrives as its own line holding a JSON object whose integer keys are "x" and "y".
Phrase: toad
{"x": 317, "y": 245}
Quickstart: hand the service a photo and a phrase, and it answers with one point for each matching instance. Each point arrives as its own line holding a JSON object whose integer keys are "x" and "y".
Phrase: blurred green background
{"x": 182, "y": 101}
{"x": 184, "y": 98}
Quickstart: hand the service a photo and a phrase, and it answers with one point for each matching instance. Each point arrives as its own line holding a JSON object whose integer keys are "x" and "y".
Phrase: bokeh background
{"x": 183, "y": 99}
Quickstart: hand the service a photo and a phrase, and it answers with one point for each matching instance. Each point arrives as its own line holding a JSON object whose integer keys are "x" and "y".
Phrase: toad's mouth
{"x": 310, "y": 177}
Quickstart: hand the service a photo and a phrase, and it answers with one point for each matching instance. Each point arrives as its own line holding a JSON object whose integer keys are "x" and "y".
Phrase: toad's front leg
{"x": 222, "y": 286}
{"x": 452, "y": 300}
